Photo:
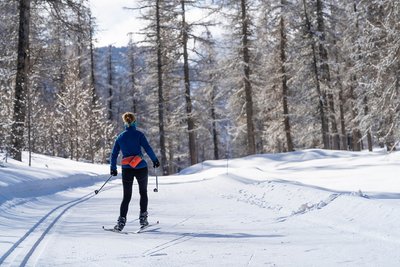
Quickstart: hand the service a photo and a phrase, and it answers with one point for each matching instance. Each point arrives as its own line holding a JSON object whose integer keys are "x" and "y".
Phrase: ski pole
{"x": 97, "y": 191}
{"x": 156, "y": 189}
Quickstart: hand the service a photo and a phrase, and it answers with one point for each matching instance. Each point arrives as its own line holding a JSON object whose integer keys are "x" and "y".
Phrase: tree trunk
{"x": 164, "y": 162}
{"x": 92, "y": 127}
{"x": 326, "y": 77}
{"x": 389, "y": 137}
{"x": 343, "y": 136}
{"x": 251, "y": 143}
{"x": 214, "y": 124}
{"x": 356, "y": 139}
{"x": 321, "y": 96}
{"x": 356, "y": 133}
{"x": 369, "y": 140}
{"x": 286, "y": 122}
{"x": 339, "y": 84}
{"x": 21, "y": 83}
{"x": 92, "y": 67}
{"x": 132, "y": 74}
{"x": 392, "y": 118}
{"x": 365, "y": 100}
{"x": 369, "y": 135}
{"x": 190, "y": 120}
{"x": 29, "y": 118}
{"x": 110, "y": 85}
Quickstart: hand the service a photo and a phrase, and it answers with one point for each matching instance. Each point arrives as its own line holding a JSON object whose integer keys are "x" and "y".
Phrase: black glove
{"x": 114, "y": 172}
{"x": 156, "y": 164}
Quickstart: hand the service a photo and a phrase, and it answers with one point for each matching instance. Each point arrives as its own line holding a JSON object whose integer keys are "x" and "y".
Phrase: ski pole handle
{"x": 98, "y": 190}
{"x": 156, "y": 189}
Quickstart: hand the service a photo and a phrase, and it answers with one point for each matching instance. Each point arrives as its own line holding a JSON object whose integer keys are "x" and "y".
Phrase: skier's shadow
{"x": 186, "y": 236}
{"x": 158, "y": 231}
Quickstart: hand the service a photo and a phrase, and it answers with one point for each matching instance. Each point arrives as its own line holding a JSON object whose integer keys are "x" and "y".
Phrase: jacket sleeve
{"x": 114, "y": 155}
{"x": 145, "y": 144}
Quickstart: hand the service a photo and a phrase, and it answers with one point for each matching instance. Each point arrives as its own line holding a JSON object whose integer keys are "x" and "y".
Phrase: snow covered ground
{"x": 306, "y": 208}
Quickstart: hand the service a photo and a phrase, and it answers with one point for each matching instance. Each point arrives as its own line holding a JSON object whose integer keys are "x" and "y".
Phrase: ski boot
{"x": 120, "y": 224}
{"x": 143, "y": 219}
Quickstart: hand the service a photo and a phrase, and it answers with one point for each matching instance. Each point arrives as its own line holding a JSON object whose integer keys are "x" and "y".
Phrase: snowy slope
{"x": 46, "y": 176}
{"x": 306, "y": 208}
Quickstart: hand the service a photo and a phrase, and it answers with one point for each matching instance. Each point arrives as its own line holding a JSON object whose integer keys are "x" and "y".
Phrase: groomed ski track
{"x": 207, "y": 219}
{"x": 22, "y": 250}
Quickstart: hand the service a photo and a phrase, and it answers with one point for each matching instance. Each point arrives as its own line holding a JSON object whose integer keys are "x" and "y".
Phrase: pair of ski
{"x": 140, "y": 230}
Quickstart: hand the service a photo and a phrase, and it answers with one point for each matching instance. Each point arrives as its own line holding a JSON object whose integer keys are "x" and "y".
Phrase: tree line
{"x": 207, "y": 79}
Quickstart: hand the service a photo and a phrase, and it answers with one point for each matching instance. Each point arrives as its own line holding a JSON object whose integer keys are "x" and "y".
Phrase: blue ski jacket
{"x": 130, "y": 142}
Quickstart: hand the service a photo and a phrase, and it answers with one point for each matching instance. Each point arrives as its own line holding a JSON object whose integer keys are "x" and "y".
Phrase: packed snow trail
{"x": 37, "y": 233}
{"x": 248, "y": 216}
{"x": 202, "y": 226}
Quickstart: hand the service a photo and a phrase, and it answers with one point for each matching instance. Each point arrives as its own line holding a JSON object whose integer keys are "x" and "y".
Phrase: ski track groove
{"x": 170, "y": 243}
{"x": 165, "y": 245}
{"x": 251, "y": 257}
{"x": 29, "y": 233}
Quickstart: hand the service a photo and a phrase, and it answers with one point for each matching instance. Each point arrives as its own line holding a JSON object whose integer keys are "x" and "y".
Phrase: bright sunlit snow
{"x": 307, "y": 208}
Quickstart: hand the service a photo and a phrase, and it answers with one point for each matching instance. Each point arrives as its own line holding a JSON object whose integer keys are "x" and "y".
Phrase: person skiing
{"x": 130, "y": 142}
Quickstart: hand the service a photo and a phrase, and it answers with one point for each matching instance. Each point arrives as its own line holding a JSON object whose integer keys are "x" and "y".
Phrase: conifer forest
{"x": 243, "y": 77}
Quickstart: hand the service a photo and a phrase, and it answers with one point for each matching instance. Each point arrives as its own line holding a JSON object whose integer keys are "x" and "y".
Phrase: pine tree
{"x": 272, "y": 36}
{"x": 322, "y": 102}
{"x": 210, "y": 98}
{"x": 187, "y": 84}
{"x": 381, "y": 62}
{"x": 284, "y": 77}
{"x": 8, "y": 41}
{"x": 21, "y": 80}
{"x": 158, "y": 16}
{"x": 241, "y": 62}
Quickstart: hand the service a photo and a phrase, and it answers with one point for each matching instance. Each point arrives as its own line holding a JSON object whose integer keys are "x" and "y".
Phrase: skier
{"x": 130, "y": 143}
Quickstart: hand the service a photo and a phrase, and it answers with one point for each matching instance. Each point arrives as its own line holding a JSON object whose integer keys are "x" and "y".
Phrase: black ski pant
{"x": 127, "y": 181}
